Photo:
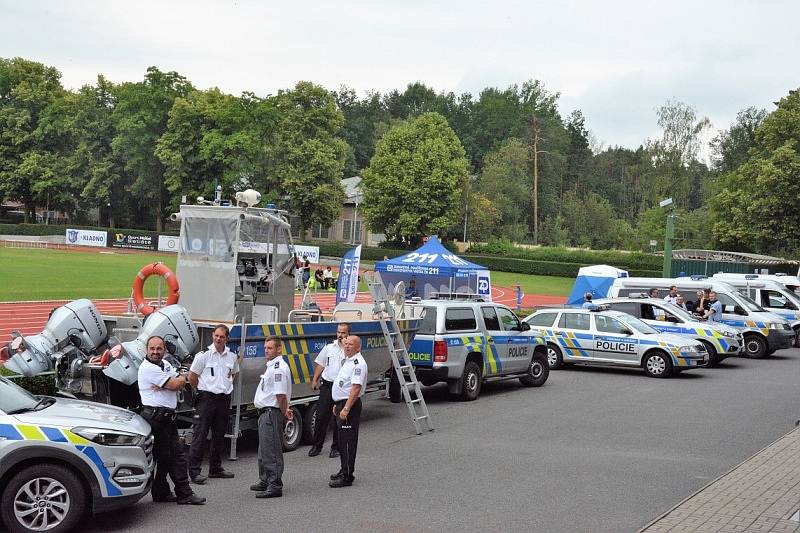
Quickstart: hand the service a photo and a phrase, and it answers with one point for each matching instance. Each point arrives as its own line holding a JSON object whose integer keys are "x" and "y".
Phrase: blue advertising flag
{"x": 347, "y": 285}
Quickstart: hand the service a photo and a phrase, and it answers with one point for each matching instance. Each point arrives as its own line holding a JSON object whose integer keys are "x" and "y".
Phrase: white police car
{"x": 602, "y": 336}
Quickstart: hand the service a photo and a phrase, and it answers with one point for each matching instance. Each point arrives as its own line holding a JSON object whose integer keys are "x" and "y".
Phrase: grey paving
{"x": 760, "y": 494}
{"x": 593, "y": 450}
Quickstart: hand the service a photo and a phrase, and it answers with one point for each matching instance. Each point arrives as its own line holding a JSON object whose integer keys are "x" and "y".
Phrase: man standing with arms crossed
{"x": 326, "y": 367}
{"x": 272, "y": 401}
{"x": 347, "y": 391}
{"x": 212, "y": 374}
{"x": 159, "y": 385}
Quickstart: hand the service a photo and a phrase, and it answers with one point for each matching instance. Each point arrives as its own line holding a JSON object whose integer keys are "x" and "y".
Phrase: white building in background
{"x": 350, "y": 227}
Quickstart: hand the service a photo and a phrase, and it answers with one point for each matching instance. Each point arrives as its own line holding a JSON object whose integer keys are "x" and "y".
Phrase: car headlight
{"x": 728, "y": 334}
{"x": 776, "y": 325}
{"x": 693, "y": 349}
{"x": 109, "y": 437}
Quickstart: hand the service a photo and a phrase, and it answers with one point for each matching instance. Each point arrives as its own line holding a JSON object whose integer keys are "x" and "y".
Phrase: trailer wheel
{"x": 310, "y": 422}
{"x": 43, "y": 497}
{"x": 293, "y": 431}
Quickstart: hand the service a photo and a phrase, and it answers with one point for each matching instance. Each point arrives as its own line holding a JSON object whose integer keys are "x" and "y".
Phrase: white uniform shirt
{"x": 330, "y": 357}
{"x": 671, "y": 299}
{"x": 215, "y": 370}
{"x": 352, "y": 372}
{"x": 277, "y": 379}
{"x": 151, "y": 374}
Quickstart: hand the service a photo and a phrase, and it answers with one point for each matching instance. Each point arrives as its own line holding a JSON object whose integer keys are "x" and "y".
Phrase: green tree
{"x": 730, "y": 147}
{"x": 27, "y": 88}
{"x": 360, "y": 130}
{"x": 413, "y": 183}
{"x": 506, "y": 182}
{"x": 308, "y": 157}
{"x": 589, "y": 220}
{"x": 140, "y": 119}
{"x": 756, "y": 207}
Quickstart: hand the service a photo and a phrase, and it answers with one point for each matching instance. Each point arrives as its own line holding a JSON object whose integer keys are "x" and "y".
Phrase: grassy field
{"x": 33, "y": 274}
{"x": 28, "y": 274}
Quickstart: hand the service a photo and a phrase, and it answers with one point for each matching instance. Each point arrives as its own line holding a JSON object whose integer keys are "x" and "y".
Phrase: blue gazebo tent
{"x": 434, "y": 268}
{"x": 596, "y": 279}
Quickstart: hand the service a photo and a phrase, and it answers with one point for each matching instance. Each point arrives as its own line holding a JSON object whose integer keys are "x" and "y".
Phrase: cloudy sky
{"x": 614, "y": 60}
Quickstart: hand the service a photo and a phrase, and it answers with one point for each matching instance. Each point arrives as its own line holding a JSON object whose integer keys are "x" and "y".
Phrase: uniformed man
{"x": 326, "y": 367}
{"x": 347, "y": 391}
{"x": 212, "y": 374}
{"x": 159, "y": 384}
{"x": 272, "y": 401}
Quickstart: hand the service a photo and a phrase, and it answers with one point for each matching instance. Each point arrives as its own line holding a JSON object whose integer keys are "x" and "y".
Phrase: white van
{"x": 790, "y": 282}
{"x": 775, "y": 297}
{"x": 763, "y": 332}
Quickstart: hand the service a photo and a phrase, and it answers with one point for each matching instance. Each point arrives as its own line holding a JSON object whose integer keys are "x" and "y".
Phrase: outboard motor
{"x": 173, "y": 324}
{"x": 73, "y": 331}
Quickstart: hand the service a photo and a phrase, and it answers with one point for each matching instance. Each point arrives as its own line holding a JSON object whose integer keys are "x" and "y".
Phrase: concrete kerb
{"x": 707, "y": 485}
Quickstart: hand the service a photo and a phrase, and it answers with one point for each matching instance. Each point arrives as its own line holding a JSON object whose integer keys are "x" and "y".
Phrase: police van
{"x": 61, "y": 457}
{"x": 606, "y": 337}
{"x": 775, "y": 297}
{"x": 790, "y": 282}
{"x": 467, "y": 342}
{"x": 763, "y": 332}
{"x": 719, "y": 339}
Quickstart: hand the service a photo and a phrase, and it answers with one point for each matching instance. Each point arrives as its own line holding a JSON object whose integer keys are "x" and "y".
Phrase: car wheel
{"x": 293, "y": 431}
{"x": 713, "y": 356}
{"x": 797, "y": 337}
{"x": 755, "y": 346}
{"x": 310, "y": 422}
{"x": 43, "y": 497}
{"x": 470, "y": 382}
{"x": 554, "y": 358}
{"x": 538, "y": 370}
{"x": 657, "y": 364}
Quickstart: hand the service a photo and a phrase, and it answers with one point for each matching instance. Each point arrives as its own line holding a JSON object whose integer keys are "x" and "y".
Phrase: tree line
{"x": 431, "y": 162}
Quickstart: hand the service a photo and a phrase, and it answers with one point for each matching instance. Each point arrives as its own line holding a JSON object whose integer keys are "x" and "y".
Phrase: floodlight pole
{"x": 670, "y": 233}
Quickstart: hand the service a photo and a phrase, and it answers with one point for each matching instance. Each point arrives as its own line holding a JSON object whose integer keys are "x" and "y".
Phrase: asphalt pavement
{"x": 594, "y": 449}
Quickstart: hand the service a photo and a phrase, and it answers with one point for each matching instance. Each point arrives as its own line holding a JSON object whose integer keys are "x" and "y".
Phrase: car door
{"x": 614, "y": 341}
{"x": 518, "y": 349}
{"x": 574, "y": 334}
{"x": 494, "y": 351}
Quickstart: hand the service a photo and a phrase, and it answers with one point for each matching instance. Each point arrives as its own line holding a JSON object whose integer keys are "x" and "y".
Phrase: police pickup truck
{"x": 468, "y": 342}
{"x": 602, "y": 336}
{"x": 60, "y": 458}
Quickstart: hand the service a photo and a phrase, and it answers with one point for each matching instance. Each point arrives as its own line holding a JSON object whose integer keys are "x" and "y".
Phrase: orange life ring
{"x": 138, "y": 286}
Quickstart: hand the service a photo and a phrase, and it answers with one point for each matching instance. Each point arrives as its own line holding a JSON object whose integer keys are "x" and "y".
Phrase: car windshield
{"x": 638, "y": 325}
{"x": 748, "y": 304}
{"x": 679, "y": 312}
{"x": 15, "y": 399}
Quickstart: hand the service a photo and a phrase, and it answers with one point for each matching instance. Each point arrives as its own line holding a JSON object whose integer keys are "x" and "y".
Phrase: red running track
{"x": 30, "y": 317}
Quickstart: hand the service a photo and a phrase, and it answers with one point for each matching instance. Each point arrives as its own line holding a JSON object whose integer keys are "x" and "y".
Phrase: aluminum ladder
{"x": 385, "y": 314}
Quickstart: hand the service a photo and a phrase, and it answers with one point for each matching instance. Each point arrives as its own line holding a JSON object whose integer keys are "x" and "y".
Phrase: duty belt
{"x": 220, "y": 396}
{"x": 158, "y": 412}
{"x": 262, "y": 410}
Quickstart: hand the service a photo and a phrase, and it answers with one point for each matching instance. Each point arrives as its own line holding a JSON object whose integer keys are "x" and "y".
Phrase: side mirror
{"x": 524, "y": 326}
{"x": 626, "y": 331}
{"x": 739, "y": 310}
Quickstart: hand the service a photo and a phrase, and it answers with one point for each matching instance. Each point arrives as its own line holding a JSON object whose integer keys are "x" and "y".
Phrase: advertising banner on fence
{"x": 120, "y": 239}
{"x": 348, "y": 276}
{"x": 168, "y": 243}
{"x": 307, "y": 252}
{"x": 85, "y": 237}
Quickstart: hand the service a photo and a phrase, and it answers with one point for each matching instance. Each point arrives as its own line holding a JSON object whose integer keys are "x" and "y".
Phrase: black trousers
{"x": 213, "y": 413}
{"x": 324, "y": 416}
{"x": 348, "y": 436}
{"x": 170, "y": 459}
